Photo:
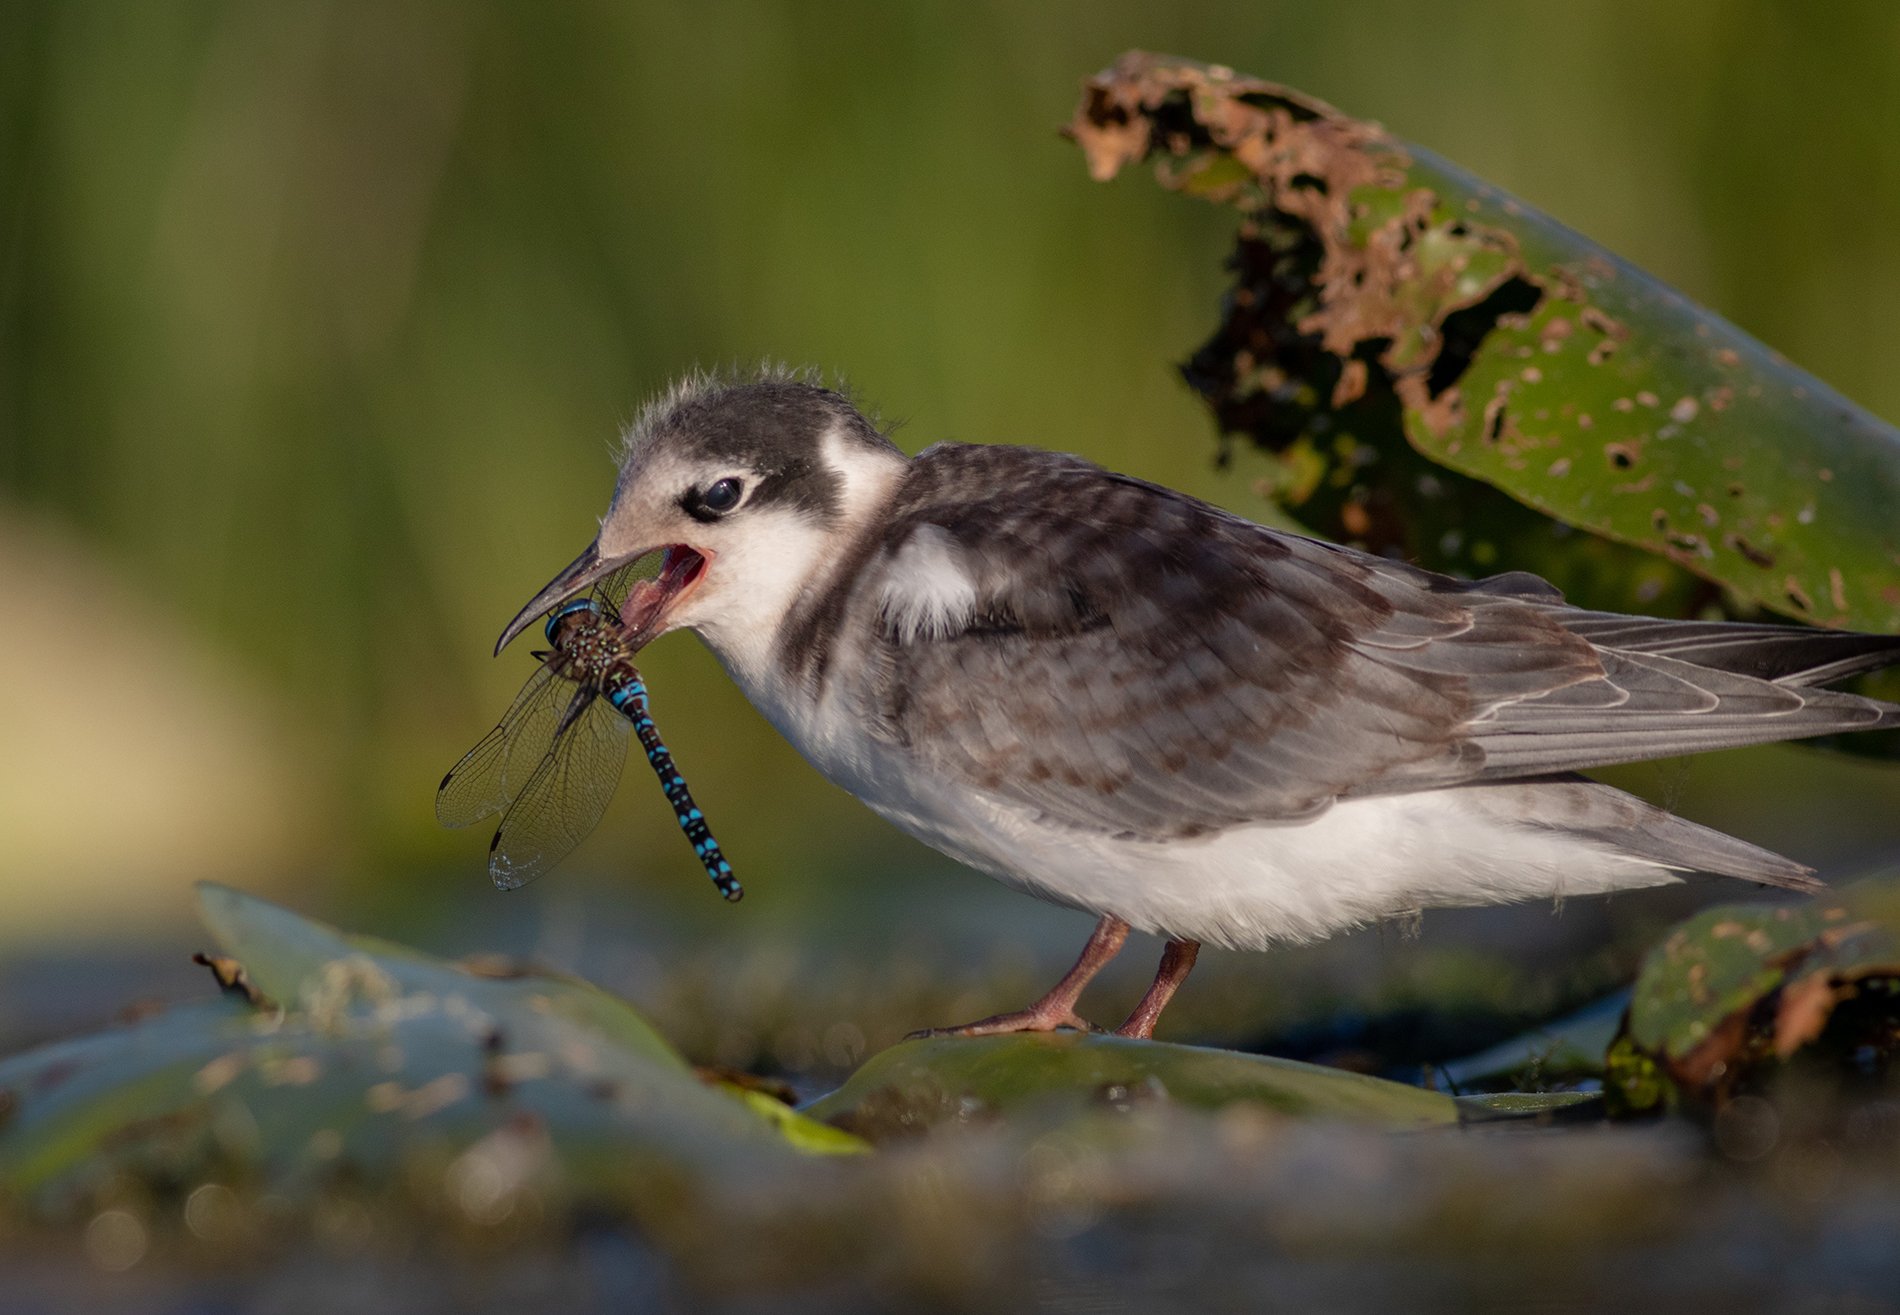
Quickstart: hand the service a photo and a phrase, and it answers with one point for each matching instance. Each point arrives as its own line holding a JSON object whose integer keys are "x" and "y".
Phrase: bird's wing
{"x": 1123, "y": 658}
{"x": 1785, "y": 654}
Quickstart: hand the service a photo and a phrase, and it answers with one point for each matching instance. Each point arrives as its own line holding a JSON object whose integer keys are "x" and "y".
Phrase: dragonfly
{"x": 553, "y": 761}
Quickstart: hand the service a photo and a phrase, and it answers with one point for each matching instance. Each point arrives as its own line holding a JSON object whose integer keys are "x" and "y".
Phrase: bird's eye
{"x": 722, "y": 496}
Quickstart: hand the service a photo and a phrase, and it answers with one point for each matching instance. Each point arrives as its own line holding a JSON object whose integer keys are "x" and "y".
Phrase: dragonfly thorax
{"x": 587, "y": 643}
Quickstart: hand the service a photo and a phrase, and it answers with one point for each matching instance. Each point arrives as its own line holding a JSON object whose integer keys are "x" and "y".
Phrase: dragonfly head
{"x": 573, "y": 608}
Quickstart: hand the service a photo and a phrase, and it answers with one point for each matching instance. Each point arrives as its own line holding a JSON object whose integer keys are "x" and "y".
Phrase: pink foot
{"x": 1022, "y": 1020}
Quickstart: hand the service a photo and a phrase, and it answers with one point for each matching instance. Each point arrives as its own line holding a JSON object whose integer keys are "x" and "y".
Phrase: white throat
{"x": 756, "y": 580}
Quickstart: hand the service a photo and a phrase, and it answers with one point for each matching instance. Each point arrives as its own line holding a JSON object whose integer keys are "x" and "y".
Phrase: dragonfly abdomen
{"x": 627, "y": 692}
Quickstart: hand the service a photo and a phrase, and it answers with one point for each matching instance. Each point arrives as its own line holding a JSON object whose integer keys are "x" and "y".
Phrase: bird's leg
{"x": 1177, "y": 961}
{"x": 1057, "y": 1009}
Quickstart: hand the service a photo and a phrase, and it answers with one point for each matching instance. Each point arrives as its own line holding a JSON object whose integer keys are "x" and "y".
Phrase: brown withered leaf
{"x": 1344, "y": 315}
{"x": 1803, "y": 1010}
{"x": 1449, "y": 376}
{"x": 233, "y": 979}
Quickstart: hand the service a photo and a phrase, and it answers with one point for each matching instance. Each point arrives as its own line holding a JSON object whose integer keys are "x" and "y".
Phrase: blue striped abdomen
{"x": 627, "y": 692}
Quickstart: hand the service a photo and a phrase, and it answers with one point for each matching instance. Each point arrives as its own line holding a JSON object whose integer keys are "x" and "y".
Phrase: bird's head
{"x": 750, "y": 490}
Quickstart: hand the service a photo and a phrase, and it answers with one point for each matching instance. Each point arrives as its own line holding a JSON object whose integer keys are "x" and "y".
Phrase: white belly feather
{"x": 1360, "y": 861}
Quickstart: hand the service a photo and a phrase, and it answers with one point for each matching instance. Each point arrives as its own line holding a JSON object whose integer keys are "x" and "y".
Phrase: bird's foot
{"x": 1177, "y": 961}
{"x": 1056, "y": 1009}
{"x": 1022, "y": 1020}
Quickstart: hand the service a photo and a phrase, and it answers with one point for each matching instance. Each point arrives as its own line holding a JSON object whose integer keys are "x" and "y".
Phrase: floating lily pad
{"x": 299, "y": 963}
{"x": 927, "y": 1082}
{"x": 350, "y": 1059}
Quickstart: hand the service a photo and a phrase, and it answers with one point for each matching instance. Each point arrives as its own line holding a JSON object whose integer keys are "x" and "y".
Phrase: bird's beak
{"x": 581, "y": 573}
{"x": 644, "y": 612}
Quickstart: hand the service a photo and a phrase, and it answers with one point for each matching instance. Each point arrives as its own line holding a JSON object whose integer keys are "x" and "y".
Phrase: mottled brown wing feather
{"x": 1142, "y": 664}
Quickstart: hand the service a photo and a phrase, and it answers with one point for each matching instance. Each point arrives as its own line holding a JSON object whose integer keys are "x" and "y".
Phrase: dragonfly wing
{"x": 563, "y": 799}
{"x": 497, "y": 769}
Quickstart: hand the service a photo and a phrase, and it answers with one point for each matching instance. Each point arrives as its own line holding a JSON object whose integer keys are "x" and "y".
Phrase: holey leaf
{"x": 1741, "y": 988}
{"x": 1443, "y": 371}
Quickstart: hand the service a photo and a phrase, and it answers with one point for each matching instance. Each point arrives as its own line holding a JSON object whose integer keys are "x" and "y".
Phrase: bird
{"x": 1118, "y": 698}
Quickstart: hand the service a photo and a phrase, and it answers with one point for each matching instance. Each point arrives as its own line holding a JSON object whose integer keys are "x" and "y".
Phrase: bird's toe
{"x": 1021, "y": 1020}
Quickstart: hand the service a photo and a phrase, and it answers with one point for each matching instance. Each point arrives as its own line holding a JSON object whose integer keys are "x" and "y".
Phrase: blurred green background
{"x": 317, "y": 322}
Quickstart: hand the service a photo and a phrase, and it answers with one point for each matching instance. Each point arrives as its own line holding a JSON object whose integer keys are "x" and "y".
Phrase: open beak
{"x": 643, "y": 614}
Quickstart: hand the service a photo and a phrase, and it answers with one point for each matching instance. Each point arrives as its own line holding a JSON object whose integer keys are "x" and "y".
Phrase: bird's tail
{"x": 1621, "y": 821}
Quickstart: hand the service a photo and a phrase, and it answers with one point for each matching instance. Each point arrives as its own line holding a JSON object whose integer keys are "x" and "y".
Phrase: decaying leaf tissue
{"x": 1439, "y": 368}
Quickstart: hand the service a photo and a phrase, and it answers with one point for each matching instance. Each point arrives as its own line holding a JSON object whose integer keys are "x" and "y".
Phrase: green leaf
{"x": 1463, "y": 369}
{"x": 921, "y": 1083}
{"x": 299, "y": 962}
{"x": 385, "y": 1064}
{"x": 1538, "y": 1106}
{"x": 1618, "y": 405}
{"x": 1633, "y": 1083}
{"x": 65, "y": 1101}
{"x": 1738, "y": 989}
{"x": 1572, "y": 1046}
{"x": 801, "y": 1130}
{"x": 1717, "y": 964}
